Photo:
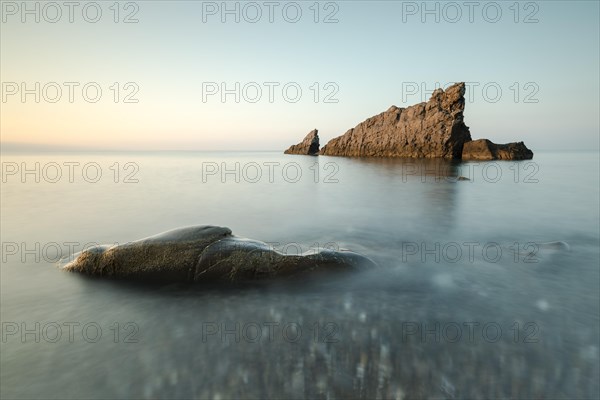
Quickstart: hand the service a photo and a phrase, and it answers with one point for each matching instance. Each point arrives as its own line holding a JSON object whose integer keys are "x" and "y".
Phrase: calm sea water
{"x": 471, "y": 301}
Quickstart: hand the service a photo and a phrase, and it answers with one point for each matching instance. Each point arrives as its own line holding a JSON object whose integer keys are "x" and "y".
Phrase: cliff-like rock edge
{"x": 434, "y": 129}
{"x": 308, "y": 146}
{"x": 427, "y": 130}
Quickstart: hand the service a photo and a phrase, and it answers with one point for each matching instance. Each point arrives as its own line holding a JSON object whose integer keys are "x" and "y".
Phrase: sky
{"x": 192, "y": 75}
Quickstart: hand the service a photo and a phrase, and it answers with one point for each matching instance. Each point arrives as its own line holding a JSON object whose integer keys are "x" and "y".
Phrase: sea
{"x": 487, "y": 287}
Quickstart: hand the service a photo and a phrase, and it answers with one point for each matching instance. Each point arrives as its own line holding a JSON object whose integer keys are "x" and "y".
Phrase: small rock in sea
{"x": 309, "y": 145}
{"x": 483, "y": 149}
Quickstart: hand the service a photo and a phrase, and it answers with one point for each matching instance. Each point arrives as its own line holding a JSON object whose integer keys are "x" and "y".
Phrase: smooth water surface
{"x": 469, "y": 302}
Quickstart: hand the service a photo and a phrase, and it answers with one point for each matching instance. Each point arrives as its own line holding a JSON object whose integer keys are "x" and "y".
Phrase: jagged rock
{"x": 308, "y": 146}
{"x": 207, "y": 254}
{"x": 483, "y": 149}
{"x": 427, "y": 130}
{"x": 434, "y": 129}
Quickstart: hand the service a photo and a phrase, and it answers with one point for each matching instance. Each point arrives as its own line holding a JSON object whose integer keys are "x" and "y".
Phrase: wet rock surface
{"x": 208, "y": 254}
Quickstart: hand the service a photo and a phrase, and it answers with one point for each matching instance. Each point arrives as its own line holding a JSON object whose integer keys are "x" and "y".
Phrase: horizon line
{"x": 17, "y": 147}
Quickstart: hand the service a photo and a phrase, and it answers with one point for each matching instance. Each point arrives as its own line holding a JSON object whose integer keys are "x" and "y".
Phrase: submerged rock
{"x": 207, "y": 254}
{"x": 308, "y": 146}
{"x": 484, "y": 149}
{"x": 434, "y": 129}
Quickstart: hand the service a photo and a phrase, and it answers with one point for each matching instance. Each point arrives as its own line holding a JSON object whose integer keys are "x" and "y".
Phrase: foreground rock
{"x": 207, "y": 254}
{"x": 427, "y": 130}
{"x": 308, "y": 146}
{"x": 484, "y": 149}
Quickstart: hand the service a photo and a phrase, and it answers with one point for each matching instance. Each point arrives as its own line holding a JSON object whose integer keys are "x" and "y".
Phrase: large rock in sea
{"x": 484, "y": 149}
{"x": 207, "y": 254}
{"x": 308, "y": 146}
{"x": 434, "y": 129}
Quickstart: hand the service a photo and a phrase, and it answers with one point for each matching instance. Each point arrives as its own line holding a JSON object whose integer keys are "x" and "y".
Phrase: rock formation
{"x": 207, "y": 254}
{"x": 434, "y": 129}
{"x": 427, "y": 130}
{"x": 483, "y": 149}
{"x": 308, "y": 146}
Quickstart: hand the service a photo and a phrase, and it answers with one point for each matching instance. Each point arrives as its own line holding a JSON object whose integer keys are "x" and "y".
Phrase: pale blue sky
{"x": 373, "y": 52}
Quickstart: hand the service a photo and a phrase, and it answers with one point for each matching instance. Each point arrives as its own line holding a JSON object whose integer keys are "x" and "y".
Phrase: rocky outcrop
{"x": 434, "y": 129}
{"x": 427, "y": 130}
{"x": 483, "y": 149}
{"x": 207, "y": 254}
{"x": 308, "y": 146}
